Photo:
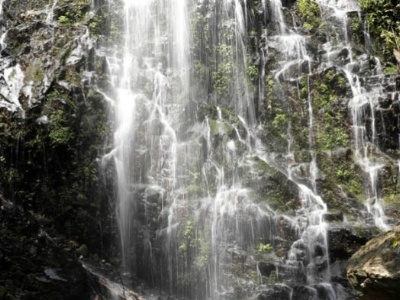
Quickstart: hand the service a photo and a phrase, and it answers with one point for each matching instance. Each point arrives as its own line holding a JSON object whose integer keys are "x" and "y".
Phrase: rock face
{"x": 57, "y": 200}
{"x": 374, "y": 270}
{"x": 52, "y": 127}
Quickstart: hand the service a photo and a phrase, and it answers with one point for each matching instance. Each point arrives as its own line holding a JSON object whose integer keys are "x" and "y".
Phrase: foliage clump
{"x": 310, "y": 13}
{"x": 382, "y": 17}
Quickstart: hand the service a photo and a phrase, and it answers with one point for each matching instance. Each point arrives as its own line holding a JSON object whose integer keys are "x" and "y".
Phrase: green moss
{"x": 330, "y": 138}
{"x": 63, "y": 20}
{"x": 187, "y": 237}
{"x": 309, "y": 12}
{"x": 222, "y": 78}
{"x": 341, "y": 81}
{"x": 34, "y": 72}
{"x": 339, "y": 170}
{"x": 325, "y": 91}
{"x": 252, "y": 72}
{"x": 307, "y": 26}
{"x": 390, "y": 70}
{"x": 82, "y": 250}
{"x": 396, "y": 242}
{"x": 382, "y": 18}
{"x": 280, "y": 121}
{"x": 393, "y": 199}
{"x": 220, "y": 127}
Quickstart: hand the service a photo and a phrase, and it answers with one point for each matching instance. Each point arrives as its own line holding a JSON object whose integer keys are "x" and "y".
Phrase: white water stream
{"x": 190, "y": 167}
{"x": 360, "y": 102}
{"x": 13, "y": 77}
{"x": 50, "y": 12}
{"x": 155, "y": 46}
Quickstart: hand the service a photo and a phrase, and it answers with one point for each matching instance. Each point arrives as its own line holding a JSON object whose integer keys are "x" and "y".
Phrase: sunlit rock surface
{"x": 374, "y": 270}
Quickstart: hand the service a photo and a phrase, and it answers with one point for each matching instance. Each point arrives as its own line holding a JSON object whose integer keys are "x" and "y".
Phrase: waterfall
{"x": 13, "y": 78}
{"x": 360, "y": 102}
{"x": 149, "y": 74}
{"x": 208, "y": 123}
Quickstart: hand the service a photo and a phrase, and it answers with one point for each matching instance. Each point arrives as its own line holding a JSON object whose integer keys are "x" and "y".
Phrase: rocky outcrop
{"x": 52, "y": 130}
{"x": 374, "y": 270}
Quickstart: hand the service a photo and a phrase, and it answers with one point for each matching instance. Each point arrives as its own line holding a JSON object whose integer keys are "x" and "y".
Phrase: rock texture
{"x": 57, "y": 203}
{"x": 52, "y": 128}
{"x": 375, "y": 269}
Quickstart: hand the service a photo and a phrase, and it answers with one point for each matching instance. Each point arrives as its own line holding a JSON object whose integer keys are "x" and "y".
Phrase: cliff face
{"x": 53, "y": 127}
{"x": 271, "y": 160}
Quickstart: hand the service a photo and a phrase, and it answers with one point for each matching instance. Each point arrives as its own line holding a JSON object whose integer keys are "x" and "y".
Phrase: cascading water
{"x": 146, "y": 99}
{"x": 361, "y": 101}
{"x": 13, "y": 79}
{"x": 308, "y": 256}
{"x": 190, "y": 157}
{"x": 50, "y": 13}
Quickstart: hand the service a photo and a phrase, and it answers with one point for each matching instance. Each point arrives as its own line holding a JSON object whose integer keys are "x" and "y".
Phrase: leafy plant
{"x": 263, "y": 248}
{"x": 63, "y": 20}
{"x": 382, "y": 18}
{"x": 310, "y": 13}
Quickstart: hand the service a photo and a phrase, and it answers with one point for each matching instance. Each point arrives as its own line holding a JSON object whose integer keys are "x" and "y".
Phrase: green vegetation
{"x": 330, "y": 137}
{"x": 262, "y": 248}
{"x": 63, "y": 20}
{"x": 222, "y": 78}
{"x": 280, "y": 121}
{"x": 393, "y": 199}
{"x": 390, "y": 70}
{"x": 60, "y": 133}
{"x": 252, "y": 73}
{"x": 34, "y": 72}
{"x": 383, "y": 22}
{"x": 325, "y": 92}
{"x": 187, "y": 239}
{"x": 310, "y": 13}
{"x": 339, "y": 170}
{"x": 396, "y": 242}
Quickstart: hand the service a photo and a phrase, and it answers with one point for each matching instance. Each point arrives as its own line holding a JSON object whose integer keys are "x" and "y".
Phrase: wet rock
{"x": 38, "y": 234}
{"x": 304, "y": 293}
{"x": 325, "y": 291}
{"x": 154, "y": 193}
{"x": 278, "y": 292}
{"x": 374, "y": 270}
{"x": 392, "y": 212}
{"x": 344, "y": 242}
{"x": 333, "y": 216}
{"x": 266, "y": 268}
{"x": 287, "y": 235}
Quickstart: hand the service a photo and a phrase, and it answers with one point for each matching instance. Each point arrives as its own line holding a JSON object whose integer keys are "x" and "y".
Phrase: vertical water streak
{"x": 13, "y": 76}
{"x": 151, "y": 87}
{"x": 136, "y": 20}
{"x": 277, "y": 16}
{"x": 181, "y": 36}
{"x": 308, "y": 255}
{"x": 233, "y": 17}
{"x": 360, "y": 102}
{"x": 3, "y": 29}
{"x": 149, "y": 76}
{"x": 50, "y": 13}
